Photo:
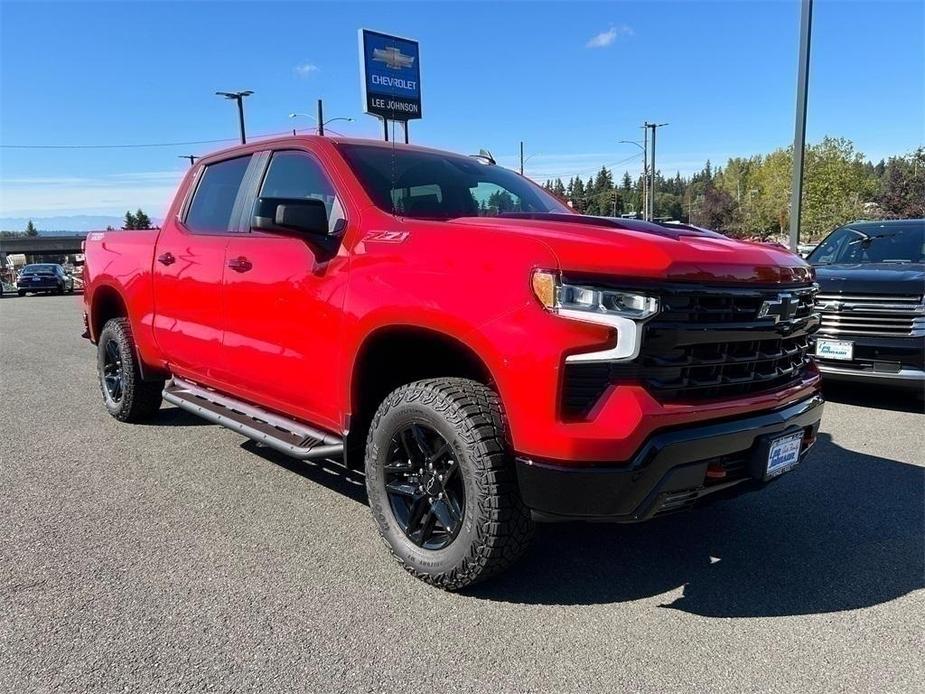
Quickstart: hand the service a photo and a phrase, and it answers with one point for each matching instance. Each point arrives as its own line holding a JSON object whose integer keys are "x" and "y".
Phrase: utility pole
{"x": 192, "y": 158}
{"x": 521, "y": 157}
{"x": 645, "y": 172}
{"x": 799, "y": 130}
{"x": 320, "y": 118}
{"x": 652, "y": 172}
{"x": 239, "y": 98}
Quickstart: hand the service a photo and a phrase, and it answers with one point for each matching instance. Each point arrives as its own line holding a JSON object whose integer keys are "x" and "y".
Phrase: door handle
{"x": 166, "y": 258}
{"x": 240, "y": 264}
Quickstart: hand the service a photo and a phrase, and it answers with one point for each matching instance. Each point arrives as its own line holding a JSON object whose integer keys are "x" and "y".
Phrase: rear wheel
{"x": 127, "y": 397}
{"x": 441, "y": 484}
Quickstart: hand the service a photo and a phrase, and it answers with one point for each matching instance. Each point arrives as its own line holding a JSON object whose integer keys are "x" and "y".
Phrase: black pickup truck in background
{"x": 871, "y": 284}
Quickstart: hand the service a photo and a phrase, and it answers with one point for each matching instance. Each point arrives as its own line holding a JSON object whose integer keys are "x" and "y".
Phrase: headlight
{"x": 620, "y": 310}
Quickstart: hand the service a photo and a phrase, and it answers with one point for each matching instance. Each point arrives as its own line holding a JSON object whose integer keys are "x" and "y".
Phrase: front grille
{"x": 731, "y": 307}
{"x": 707, "y": 344}
{"x": 720, "y": 369}
{"x": 847, "y": 315}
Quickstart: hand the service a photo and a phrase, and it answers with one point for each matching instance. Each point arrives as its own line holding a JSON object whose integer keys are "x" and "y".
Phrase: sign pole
{"x": 385, "y": 128}
{"x": 799, "y": 131}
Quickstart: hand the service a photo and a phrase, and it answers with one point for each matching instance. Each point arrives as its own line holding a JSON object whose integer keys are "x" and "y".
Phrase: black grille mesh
{"x": 706, "y": 344}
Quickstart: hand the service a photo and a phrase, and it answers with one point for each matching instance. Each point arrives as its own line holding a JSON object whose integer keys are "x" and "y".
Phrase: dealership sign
{"x": 390, "y": 76}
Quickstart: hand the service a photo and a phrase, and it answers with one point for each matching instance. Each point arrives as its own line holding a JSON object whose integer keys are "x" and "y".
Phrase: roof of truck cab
{"x": 257, "y": 145}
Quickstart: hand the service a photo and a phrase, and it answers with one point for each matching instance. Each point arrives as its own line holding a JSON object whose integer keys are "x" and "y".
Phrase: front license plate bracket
{"x": 776, "y": 454}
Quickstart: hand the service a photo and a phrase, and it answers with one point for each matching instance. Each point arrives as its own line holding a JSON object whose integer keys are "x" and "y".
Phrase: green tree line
{"x": 750, "y": 196}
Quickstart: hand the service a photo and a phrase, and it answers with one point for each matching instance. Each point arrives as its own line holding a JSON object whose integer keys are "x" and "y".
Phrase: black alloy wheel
{"x": 127, "y": 396}
{"x": 424, "y": 485}
{"x": 113, "y": 373}
{"x": 441, "y": 483}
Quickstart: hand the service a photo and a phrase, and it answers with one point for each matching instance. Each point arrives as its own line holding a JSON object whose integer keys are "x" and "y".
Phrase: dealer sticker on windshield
{"x": 835, "y": 349}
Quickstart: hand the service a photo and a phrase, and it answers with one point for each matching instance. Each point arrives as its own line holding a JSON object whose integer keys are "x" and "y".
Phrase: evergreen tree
{"x": 31, "y": 230}
{"x": 129, "y": 221}
{"x": 142, "y": 221}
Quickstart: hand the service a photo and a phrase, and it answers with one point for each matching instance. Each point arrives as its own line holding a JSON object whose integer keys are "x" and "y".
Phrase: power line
{"x": 122, "y": 146}
{"x": 146, "y": 144}
{"x": 587, "y": 171}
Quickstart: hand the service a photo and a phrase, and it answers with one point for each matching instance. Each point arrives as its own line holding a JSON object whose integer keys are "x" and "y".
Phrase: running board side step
{"x": 285, "y": 435}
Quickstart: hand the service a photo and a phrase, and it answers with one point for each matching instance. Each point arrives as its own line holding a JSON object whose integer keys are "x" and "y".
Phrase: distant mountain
{"x": 65, "y": 224}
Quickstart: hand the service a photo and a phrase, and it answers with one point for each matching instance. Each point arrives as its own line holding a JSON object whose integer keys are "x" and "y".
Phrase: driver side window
{"x": 833, "y": 248}
{"x": 293, "y": 174}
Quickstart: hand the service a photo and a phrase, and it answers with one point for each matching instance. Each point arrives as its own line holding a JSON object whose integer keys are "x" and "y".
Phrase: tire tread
{"x": 504, "y": 529}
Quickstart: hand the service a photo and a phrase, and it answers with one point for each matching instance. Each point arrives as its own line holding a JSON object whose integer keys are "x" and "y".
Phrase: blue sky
{"x": 570, "y": 79}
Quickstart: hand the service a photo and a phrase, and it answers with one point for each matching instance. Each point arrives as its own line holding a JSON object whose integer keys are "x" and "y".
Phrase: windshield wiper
{"x": 867, "y": 239}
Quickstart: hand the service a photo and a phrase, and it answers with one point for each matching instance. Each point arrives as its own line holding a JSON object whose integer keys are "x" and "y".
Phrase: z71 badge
{"x": 386, "y": 236}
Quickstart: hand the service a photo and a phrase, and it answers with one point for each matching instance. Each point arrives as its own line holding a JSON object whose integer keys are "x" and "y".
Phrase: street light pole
{"x": 192, "y": 158}
{"x": 799, "y": 130}
{"x": 239, "y": 98}
{"x": 645, "y": 170}
{"x": 321, "y": 123}
{"x": 521, "y": 157}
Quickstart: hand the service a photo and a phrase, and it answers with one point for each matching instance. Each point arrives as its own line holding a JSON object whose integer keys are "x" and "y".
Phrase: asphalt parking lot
{"x": 178, "y": 556}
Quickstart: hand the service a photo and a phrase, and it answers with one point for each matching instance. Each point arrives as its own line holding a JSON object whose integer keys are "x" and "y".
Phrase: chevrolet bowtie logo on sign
{"x": 390, "y": 76}
{"x": 782, "y": 309}
{"x": 392, "y": 57}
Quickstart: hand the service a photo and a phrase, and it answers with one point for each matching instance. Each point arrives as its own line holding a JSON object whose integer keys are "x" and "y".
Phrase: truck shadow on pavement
{"x": 843, "y": 531}
{"x": 327, "y": 473}
{"x": 872, "y": 395}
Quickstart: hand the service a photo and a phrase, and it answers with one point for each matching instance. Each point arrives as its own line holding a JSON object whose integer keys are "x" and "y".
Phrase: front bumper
{"x": 896, "y": 361}
{"x": 44, "y": 286}
{"x": 669, "y": 472}
{"x": 902, "y": 376}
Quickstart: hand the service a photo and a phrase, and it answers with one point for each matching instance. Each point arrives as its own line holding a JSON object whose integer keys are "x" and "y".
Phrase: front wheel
{"x": 127, "y": 397}
{"x": 441, "y": 483}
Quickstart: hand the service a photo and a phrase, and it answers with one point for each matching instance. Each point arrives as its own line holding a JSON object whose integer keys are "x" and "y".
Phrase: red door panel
{"x": 188, "y": 270}
{"x": 283, "y": 321}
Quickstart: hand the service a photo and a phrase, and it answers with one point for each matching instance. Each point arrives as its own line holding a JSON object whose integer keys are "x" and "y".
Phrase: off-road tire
{"x": 496, "y": 527}
{"x": 139, "y": 399}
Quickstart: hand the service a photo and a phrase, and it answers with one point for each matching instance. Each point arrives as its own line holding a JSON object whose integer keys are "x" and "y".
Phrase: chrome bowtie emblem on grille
{"x": 781, "y": 309}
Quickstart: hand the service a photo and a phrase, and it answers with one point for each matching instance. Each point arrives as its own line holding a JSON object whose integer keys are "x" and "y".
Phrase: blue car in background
{"x": 44, "y": 277}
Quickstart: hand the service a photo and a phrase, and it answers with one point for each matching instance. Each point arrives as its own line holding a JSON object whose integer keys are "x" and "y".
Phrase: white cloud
{"x": 306, "y": 69}
{"x": 605, "y": 38}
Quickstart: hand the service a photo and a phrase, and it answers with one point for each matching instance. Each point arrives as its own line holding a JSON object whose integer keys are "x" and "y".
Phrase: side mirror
{"x": 299, "y": 215}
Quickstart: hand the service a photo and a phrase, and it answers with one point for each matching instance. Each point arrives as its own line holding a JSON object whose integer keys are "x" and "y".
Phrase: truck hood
{"x": 873, "y": 278}
{"x": 602, "y": 246}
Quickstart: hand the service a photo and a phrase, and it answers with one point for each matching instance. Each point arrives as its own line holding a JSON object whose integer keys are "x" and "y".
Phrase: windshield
{"x": 39, "y": 269}
{"x": 429, "y": 185}
{"x": 873, "y": 243}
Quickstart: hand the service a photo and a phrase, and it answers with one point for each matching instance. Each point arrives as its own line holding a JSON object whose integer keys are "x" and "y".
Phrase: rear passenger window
{"x": 213, "y": 202}
{"x": 298, "y": 175}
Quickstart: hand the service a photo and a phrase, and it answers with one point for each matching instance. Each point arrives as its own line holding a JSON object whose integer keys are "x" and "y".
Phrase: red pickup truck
{"x": 484, "y": 354}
